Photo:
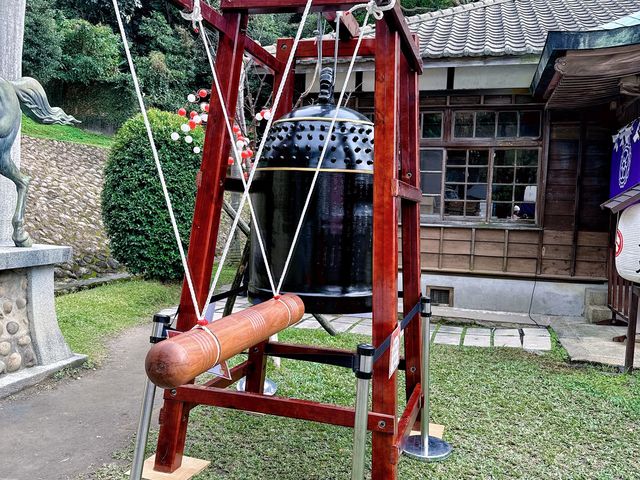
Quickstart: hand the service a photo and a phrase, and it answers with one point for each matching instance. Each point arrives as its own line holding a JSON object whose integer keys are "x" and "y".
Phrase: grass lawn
{"x": 64, "y": 133}
{"x": 508, "y": 414}
{"x": 89, "y": 318}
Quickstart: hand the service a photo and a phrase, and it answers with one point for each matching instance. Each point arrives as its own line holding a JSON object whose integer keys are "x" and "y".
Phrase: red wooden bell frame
{"x": 396, "y": 185}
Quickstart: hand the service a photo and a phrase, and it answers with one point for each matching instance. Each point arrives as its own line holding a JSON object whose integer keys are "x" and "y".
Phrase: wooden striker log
{"x": 180, "y": 359}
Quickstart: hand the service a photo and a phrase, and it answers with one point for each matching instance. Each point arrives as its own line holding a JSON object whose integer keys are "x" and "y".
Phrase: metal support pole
{"x": 159, "y": 333}
{"x": 364, "y": 372}
{"x": 425, "y": 447}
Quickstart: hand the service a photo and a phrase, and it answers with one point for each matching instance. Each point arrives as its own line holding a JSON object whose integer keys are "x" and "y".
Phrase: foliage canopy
{"x": 133, "y": 206}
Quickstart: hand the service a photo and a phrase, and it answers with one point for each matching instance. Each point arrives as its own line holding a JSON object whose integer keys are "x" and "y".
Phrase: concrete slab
{"x": 477, "y": 340}
{"x": 450, "y": 329}
{"x": 361, "y": 329}
{"x": 447, "y": 338}
{"x": 507, "y": 332}
{"x": 489, "y": 317}
{"x": 506, "y": 341}
{"x": 346, "y": 319}
{"x": 586, "y": 342}
{"x": 536, "y": 343}
{"x": 10, "y": 384}
{"x": 536, "y": 332}
{"x": 471, "y": 331}
{"x": 341, "y": 327}
{"x": 310, "y": 324}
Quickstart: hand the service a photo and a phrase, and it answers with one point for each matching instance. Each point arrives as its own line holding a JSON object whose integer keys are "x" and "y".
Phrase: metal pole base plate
{"x": 270, "y": 387}
{"x": 438, "y": 449}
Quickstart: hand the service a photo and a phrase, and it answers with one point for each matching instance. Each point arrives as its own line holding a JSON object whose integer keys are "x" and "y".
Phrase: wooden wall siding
{"x": 547, "y": 253}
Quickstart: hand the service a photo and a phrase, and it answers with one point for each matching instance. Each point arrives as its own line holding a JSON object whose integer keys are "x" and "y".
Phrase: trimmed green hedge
{"x": 133, "y": 206}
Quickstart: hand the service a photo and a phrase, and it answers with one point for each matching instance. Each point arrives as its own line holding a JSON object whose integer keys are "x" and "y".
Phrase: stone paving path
{"x": 537, "y": 339}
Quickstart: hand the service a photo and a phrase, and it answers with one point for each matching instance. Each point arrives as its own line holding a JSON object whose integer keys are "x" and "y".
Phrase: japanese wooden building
{"x": 518, "y": 111}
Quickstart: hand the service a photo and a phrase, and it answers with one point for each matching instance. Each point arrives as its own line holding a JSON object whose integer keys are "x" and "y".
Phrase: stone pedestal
{"x": 31, "y": 344}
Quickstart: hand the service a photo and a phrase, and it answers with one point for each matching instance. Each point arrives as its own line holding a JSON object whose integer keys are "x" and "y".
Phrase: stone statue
{"x": 26, "y": 93}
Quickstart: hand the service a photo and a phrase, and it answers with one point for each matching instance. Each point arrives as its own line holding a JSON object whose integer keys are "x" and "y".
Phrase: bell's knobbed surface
{"x": 331, "y": 265}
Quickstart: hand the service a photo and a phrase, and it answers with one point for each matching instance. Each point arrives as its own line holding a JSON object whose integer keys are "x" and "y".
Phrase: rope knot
{"x": 372, "y": 7}
{"x": 195, "y": 16}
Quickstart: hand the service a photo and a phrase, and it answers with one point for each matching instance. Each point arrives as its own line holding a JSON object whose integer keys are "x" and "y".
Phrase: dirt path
{"x": 67, "y": 428}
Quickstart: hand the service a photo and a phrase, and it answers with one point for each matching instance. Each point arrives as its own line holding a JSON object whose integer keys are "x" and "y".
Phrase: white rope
{"x": 214, "y": 337}
{"x": 377, "y": 12}
{"x": 156, "y": 158}
{"x": 238, "y": 160}
{"x": 247, "y": 183}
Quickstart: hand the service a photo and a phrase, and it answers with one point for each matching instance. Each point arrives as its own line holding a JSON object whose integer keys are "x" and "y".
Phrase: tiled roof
{"x": 510, "y": 27}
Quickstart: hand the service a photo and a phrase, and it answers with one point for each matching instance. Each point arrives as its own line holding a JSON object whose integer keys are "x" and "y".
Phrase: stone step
{"x": 597, "y": 313}
{"x": 595, "y": 296}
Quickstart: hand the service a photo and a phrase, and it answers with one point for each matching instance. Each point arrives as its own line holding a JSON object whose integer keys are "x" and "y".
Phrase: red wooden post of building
{"x": 385, "y": 239}
{"x": 206, "y": 221}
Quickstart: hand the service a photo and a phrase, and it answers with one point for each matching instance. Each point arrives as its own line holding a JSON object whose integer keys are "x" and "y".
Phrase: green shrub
{"x": 133, "y": 206}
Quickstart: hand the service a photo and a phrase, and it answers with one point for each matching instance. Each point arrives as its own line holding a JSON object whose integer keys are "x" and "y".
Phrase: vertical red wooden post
{"x": 410, "y": 173}
{"x": 206, "y": 222}
{"x": 385, "y": 239}
{"x": 257, "y": 368}
{"x": 174, "y": 418}
{"x": 206, "y": 217}
{"x": 283, "y": 50}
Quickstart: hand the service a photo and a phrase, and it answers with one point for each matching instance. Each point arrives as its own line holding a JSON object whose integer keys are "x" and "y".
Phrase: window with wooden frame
{"x": 496, "y": 124}
{"x": 481, "y": 165}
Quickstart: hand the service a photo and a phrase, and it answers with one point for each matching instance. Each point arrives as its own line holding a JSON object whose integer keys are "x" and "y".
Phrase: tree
{"x": 133, "y": 205}
{"x": 42, "y": 57}
{"x": 90, "y": 53}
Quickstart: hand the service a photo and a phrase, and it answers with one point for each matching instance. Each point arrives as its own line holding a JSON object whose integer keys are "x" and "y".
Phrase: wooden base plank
{"x": 435, "y": 430}
{"x": 190, "y": 468}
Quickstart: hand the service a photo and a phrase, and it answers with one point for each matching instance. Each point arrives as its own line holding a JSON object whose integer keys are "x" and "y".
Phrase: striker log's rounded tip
{"x": 165, "y": 364}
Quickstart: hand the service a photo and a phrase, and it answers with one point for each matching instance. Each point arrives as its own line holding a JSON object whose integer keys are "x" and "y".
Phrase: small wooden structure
{"x": 596, "y": 74}
{"x": 396, "y": 184}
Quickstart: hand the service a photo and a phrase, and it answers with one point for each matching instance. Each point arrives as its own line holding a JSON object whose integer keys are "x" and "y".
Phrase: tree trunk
{"x": 11, "y": 39}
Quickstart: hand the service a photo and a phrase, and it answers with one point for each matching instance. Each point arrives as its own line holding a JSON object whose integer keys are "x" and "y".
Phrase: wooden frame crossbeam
{"x": 216, "y": 21}
{"x": 394, "y": 18}
{"x": 286, "y": 6}
{"x": 384, "y": 424}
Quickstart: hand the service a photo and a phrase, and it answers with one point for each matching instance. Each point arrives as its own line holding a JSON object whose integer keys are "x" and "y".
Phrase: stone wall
{"x": 63, "y": 207}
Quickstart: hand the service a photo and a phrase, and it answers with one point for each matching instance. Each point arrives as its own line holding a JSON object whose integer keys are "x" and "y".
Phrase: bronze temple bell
{"x": 331, "y": 265}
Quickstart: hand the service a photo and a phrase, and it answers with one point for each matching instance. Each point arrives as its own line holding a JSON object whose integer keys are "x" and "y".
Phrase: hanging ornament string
{"x": 156, "y": 157}
{"x": 377, "y": 12}
{"x": 249, "y": 181}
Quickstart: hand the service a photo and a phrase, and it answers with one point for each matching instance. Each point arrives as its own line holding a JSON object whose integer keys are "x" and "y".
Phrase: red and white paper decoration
{"x": 264, "y": 114}
{"x": 628, "y": 244}
{"x": 193, "y": 118}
